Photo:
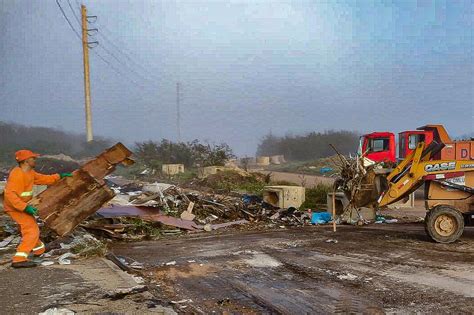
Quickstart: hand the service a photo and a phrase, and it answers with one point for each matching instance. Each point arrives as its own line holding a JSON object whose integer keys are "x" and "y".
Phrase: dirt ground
{"x": 373, "y": 269}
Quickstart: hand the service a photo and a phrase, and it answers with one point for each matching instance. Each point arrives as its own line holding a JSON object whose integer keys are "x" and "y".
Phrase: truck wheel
{"x": 444, "y": 224}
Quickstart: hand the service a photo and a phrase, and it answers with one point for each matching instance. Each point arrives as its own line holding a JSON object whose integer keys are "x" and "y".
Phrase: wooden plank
{"x": 105, "y": 163}
{"x": 67, "y": 203}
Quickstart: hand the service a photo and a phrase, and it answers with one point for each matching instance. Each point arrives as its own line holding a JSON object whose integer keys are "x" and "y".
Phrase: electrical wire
{"x": 74, "y": 12}
{"x": 95, "y": 52}
{"x": 123, "y": 51}
{"x": 122, "y": 63}
{"x": 115, "y": 69}
{"x": 68, "y": 21}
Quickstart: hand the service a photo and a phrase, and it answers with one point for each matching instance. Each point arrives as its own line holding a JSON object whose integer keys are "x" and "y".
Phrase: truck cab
{"x": 408, "y": 140}
{"x": 378, "y": 147}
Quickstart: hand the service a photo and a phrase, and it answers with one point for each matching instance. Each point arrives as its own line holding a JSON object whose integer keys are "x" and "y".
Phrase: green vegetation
{"x": 14, "y": 137}
{"x": 141, "y": 227}
{"x": 227, "y": 181}
{"x": 155, "y": 154}
{"x": 309, "y": 146}
{"x": 309, "y": 167}
{"x": 315, "y": 198}
{"x": 90, "y": 248}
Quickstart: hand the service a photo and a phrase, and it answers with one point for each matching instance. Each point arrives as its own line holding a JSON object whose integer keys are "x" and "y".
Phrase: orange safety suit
{"x": 18, "y": 191}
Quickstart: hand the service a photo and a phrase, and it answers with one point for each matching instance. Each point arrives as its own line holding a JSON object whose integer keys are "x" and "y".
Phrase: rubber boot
{"x": 24, "y": 264}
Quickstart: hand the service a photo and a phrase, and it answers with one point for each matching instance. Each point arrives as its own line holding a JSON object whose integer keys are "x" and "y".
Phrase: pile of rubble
{"x": 153, "y": 209}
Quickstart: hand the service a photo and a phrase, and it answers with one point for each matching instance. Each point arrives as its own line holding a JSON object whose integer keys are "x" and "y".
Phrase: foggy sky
{"x": 246, "y": 67}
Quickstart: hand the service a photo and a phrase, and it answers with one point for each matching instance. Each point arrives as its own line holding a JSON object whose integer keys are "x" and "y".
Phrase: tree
{"x": 308, "y": 146}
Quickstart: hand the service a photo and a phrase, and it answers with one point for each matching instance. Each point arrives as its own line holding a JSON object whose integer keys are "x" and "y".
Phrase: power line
{"x": 115, "y": 69}
{"x": 67, "y": 19}
{"x": 178, "y": 112}
{"x": 123, "y": 50}
{"x": 96, "y": 53}
{"x": 121, "y": 62}
{"x": 74, "y": 12}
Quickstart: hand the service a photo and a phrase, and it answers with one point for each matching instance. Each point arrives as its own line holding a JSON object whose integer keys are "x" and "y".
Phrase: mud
{"x": 372, "y": 269}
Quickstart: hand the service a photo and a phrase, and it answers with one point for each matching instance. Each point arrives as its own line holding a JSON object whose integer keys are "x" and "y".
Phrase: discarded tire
{"x": 444, "y": 224}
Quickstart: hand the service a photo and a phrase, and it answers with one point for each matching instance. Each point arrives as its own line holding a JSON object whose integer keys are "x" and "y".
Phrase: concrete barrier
{"x": 263, "y": 160}
{"x": 172, "y": 169}
{"x": 284, "y": 196}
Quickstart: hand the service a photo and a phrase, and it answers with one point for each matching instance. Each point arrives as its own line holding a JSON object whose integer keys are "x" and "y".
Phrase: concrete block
{"x": 277, "y": 159}
{"x": 203, "y": 172}
{"x": 284, "y": 196}
{"x": 263, "y": 160}
{"x": 172, "y": 169}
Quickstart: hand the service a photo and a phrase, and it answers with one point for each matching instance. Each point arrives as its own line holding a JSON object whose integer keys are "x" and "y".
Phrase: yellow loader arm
{"x": 417, "y": 168}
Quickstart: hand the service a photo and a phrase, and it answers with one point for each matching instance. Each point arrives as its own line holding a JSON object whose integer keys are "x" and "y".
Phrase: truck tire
{"x": 444, "y": 224}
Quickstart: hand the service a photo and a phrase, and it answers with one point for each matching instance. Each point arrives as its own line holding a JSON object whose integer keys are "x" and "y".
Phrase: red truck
{"x": 381, "y": 146}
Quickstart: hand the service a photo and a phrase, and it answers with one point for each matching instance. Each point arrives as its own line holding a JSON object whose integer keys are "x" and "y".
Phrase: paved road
{"x": 373, "y": 269}
{"x": 82, "y": 287}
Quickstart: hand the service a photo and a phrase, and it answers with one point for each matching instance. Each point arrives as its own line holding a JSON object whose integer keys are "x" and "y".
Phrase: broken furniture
{"x": 71, "y": 200}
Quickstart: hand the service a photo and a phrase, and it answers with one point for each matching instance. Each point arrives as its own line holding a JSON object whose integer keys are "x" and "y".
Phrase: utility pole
{"x": 87, "y": 83}
{"x": 178, "y": 114}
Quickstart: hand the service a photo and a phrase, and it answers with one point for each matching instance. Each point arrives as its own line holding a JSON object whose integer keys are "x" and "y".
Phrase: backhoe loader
{"x": 449, "y": 190}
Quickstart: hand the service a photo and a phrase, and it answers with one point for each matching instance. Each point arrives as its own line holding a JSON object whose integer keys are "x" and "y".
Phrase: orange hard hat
{"x": 24, "y": 155}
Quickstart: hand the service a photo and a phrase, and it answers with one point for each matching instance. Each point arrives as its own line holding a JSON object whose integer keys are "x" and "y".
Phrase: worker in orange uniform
{"x": 18, "y": 191}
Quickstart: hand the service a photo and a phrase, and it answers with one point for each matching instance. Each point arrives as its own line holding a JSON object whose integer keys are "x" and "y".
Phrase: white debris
{"x": 47, "y": 263}
{"x": 331, "y": 241}
{"x": 156, "y": 187}
{"x": 136, "y": 265}
{"x": 63, "y": 258}
{"x": 57, "y": 311}
{"x": 182, "y": 301}
{"x": 348, "y": 276}
{"x": 138, "y": 280}
{"x": 171, "y": 263}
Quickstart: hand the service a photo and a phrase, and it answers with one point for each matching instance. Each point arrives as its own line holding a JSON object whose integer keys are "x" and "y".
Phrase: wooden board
{"x": 67, "y": 203}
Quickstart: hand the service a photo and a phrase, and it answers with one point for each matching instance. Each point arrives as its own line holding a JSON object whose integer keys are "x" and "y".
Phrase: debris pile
{"x": 52, "y": 164}
{"x": 362, "y": 182}
{"x": 152, "y": 209}
{"x": 226, "y": 181}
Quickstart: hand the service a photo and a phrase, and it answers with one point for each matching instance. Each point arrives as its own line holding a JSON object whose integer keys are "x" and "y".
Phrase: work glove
{"x": 31, "y": 210}
{"x": 62, "y": 175}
